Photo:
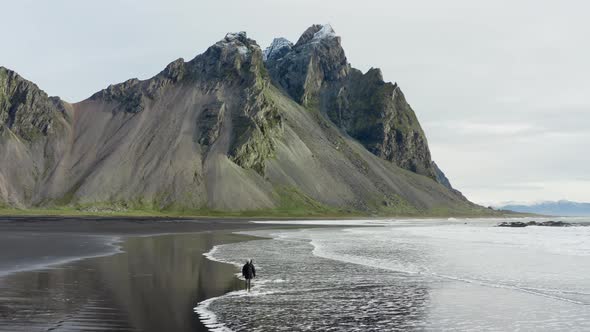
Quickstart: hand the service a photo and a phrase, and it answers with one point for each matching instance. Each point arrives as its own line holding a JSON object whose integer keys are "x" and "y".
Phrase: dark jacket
{"x": 248, "y": 271}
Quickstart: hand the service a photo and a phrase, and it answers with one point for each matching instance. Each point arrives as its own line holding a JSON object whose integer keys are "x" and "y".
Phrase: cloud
{"x": 532, "y": 192}
{"x": 475, "y": 128}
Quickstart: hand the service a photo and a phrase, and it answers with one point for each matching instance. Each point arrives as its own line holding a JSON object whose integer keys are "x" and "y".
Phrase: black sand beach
{"x": 144, "y": 274}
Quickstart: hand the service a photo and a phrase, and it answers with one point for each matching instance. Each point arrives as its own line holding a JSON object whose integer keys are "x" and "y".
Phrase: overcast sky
{"x": 502, "y": 88}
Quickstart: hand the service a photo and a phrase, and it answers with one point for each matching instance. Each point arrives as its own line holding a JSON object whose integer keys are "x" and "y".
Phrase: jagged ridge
{"x": 316, "y": 73}
{"x": 25, "y": 109}
{"x": 228, "y": 131}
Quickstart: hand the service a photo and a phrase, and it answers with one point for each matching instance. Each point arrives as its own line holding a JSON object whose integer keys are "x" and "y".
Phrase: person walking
{"x": 248, "y": 272}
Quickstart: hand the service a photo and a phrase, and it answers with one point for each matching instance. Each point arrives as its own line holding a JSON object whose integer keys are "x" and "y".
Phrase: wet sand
{"x": 32, "y": 242}
{"x": 111, "y": 273}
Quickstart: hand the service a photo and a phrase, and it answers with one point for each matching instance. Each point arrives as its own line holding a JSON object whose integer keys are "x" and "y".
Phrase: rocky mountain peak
{"x": 317, "y": 33}
{"x": 277, "y": 49}
{"x": 316, "y": 73}
{"x": 237, "y": 42}
{"x": 25, "y": 109}
{"x": 235, "y": 55}
{"x": 240, "y": 35}
{"x": 376, "y": 74}
{"x": 175, "y": 70}
{"x": 326, "y": 32}
{"x": 302, "y": 69}
{"x": 12, "y": 82}
{"x": 232, "y": 59}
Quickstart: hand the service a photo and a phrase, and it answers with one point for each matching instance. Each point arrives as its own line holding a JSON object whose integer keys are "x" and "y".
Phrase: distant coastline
{"x": 563, "y": 208}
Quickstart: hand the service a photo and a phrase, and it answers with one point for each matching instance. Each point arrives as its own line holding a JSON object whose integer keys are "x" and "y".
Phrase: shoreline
{"x": 159, "y": 274}
{"x": 111, "y": 246}
{"x": 102, "y": 236}
{"x": 33, "y": 243}
{"x": 44, "y": 247}
{"x": 389, "y": 277}
{"x": 207, "y": 317}
{"x": 249, "y": 215}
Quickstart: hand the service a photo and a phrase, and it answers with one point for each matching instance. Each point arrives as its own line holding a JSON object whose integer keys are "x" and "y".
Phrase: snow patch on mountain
{"x": 278, "y": 45}
{"x": 325, "y": 32}
{"x": 237, "y": 40}
{"x": 235, "y": 35}
{"x": 243, "y": 50}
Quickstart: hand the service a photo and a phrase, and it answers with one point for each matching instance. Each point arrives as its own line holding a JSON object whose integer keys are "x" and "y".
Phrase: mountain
{"x": 294, "y": 130}
{"x": 559, "y": 208}
{"x": 316, "y": 74}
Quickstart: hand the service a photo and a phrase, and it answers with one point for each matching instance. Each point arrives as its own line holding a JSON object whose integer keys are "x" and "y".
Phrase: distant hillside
{"x": 559, "y": 208}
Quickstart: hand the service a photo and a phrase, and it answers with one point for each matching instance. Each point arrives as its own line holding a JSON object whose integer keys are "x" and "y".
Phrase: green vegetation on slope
{"x": 293, "y": 204}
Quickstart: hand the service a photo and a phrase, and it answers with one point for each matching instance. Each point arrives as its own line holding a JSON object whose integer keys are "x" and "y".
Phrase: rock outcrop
{"x": 26, "y": 110}
{"x": 301, "y": 132}
{"x": 316, "y": 73}
{"x": 33, "y": 130}
{"x": 549, "y": 223}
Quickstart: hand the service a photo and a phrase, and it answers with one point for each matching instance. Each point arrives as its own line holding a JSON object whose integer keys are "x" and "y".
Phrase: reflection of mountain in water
{"x": 152, "y": 286}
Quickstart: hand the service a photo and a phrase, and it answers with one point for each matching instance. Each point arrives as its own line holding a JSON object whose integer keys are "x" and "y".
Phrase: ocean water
{"x": 459, "y": 275}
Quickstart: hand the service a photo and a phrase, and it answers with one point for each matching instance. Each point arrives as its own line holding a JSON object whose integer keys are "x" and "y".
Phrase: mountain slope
{"x": 316, "y": 73}
{"x": 33, "y": 136}
{"x": 214, "y": 133}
